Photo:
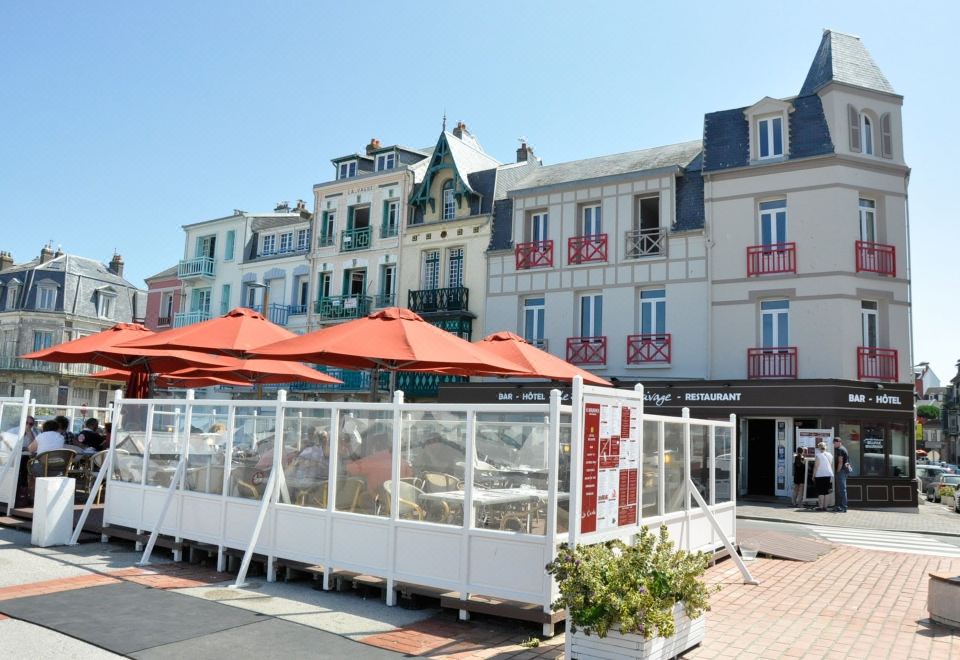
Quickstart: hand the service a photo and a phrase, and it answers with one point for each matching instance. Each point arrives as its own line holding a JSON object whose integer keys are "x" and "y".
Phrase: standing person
{"x": 823, "y": 474}
{"x": 842, "y": 468}
{"x": 799, "y": 474}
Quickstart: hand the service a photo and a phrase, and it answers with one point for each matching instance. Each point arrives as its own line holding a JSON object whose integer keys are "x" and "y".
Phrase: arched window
{"x": 866, "y": 132}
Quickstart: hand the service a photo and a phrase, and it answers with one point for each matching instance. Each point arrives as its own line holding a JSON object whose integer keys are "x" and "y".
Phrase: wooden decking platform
{"x": 783, "y": 546}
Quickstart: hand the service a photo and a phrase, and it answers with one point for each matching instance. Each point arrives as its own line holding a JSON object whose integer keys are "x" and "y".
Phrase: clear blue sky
{"x": 122, "y": 121}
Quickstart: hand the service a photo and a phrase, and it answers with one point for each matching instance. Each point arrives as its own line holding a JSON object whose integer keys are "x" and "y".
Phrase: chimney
{"x": 460, "y": 129}
{"x": 281, "y": 207}
{"x": 373, "y": 146}
{"x": 524, "y": 152}
{"x": 6, "y": 260}
{"x": 46, "y": 254}
{"x": 59, "y": 252}
{"x": 116, "y": 265}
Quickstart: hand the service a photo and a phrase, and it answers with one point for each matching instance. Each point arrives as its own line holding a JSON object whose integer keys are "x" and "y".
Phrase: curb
{"x": 879, "y": 529}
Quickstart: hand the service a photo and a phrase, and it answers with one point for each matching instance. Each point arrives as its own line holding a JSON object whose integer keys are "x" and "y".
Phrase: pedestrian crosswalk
{"x": 878, "y": 539}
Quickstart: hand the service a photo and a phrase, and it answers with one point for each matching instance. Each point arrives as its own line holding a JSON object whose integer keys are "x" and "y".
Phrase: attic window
{"x": 47, "y": 297}
{"x": 347, "y": 169}
{"x": 770, "y": 137}
{"x": 449, "y": 201}
{"x": 106, "y": 303}
{"x": 386, "y": 161}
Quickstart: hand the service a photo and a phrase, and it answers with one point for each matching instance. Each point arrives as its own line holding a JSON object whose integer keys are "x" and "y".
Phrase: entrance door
{"x": 761, "y": 456}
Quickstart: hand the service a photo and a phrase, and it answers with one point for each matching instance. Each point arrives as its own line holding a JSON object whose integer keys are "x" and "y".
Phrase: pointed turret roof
{"x": 843, "y": 58}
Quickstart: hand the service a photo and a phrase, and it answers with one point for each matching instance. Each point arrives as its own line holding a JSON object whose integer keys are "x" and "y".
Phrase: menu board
{"x": 611, "y": 462}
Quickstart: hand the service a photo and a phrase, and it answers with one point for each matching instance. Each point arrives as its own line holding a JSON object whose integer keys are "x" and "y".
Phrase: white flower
{"x": 617, "y": 552}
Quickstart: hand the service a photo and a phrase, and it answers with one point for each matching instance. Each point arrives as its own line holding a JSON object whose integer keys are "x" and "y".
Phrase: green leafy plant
{"x": 633, "y": 587}
{"x": 928, "y": 411}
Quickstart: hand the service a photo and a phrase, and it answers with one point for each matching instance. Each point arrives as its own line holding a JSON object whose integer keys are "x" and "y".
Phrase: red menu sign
{"x": 591, "y": 455}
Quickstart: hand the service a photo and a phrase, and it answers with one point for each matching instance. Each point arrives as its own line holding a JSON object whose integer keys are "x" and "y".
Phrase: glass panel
{"x": 777, "y": 137}
{"x": 722, "y": 446}
{"x": 306, "y": 450}
{"x": 207, "y": 441}
{"x": 130, "y": 439}
{"x": 649, "y": 502}
{"x": 673, "y": 466}
{"x": 850, "y": 433}
{"x": 764, "y": 138}
{"x": 166, "y": 441}
{"x": 10, "y": 430}
{"x": 563, "y": 476}
{"x": 251, "y": 456}
{"x": 510, "y": 473}
{"x": 365, "y": 470}
{"x": 873, "y": 450}
{"x": 700, "y": 460}
{"x": 434, "y": 444}
{"x": 899, "y": 445}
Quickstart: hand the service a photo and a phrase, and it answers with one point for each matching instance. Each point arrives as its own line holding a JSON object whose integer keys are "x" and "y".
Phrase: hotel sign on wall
{"x": 609, "y": 496}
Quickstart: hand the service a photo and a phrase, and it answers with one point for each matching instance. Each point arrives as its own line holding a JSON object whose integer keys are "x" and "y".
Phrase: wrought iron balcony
{"x": 877, "y": 364}
{"x": 277, "y": 313}
{"x": 648, "y": 349}
{"x": 421, "y": 384}
{"x": 451, "y": 299}
{"x": 385, "y": 300}
{"x": 197, "y": 267}
{"x": 536, "y": 254}
{"x": 584, "y": 249}
{"x": 189, "y": 318}
{"x": 352, "y": 240}
{"x": 587, "y": 350}
{"x": 772, "y": 362}
{"x": 11, "y": 363}
{"x": 297, "y": 310}
{"x": 388, "y": 231}
{"x": 876, "y": 258}
{"x": 646, "y": 243}
{"x": 343, "y": 307}
{"x": 772, "y": 258}
{"x": 163, "y": 321}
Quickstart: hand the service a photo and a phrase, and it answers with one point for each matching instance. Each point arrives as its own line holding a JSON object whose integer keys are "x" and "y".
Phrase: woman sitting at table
{"x": 377, "y": 466}
{"x": 49, "y": 439}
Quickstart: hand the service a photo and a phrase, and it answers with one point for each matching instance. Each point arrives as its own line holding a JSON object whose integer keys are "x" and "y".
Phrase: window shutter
{"x": 386, "y": 206}
{"x": 853, "y": 118}
{"x": 228, "y": 250}
{"x": 886, "y": 136}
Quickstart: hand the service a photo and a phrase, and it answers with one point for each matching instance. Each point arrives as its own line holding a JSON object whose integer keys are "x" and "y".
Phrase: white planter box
{"x": 688, "y": 634}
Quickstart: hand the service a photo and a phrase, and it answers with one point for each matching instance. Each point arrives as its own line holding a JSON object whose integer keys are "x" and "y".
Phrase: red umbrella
{"x": 535, "y": 362}
{"x": 259, "y": 372}
{"x": 235, "y": 333}
{"x": 80, "y": 350}
{"x": 169, "y": 381}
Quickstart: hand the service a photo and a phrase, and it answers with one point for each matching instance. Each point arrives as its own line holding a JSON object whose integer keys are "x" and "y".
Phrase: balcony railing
{"x": 281, "y": 252}
{"x": 326, "y": 240}
{"x": 648, "y": 349}
{"x": 163, "y": 321}
{"x": 10, "y": 363}
{"x": 382, "y": 300}
{"x": 189, "y": 318}
{"x": 343, "y": 307}
{"x": 388, "y": 231}
{"x": 419, "y": 384}
{"x": 772, "y": 362}
{"x": 277, "y": 313}
{"x": 584, "y": 249}
{"x": 876, "y": 258}
{"x": 451, "y": 299}
{"x": 197, "y": 267}
{"x": 772, "y": 258}
{"x": 877, "y": 364}
{"x": 646, "y": 243}
{"x": 534, "y": 255}
{"x": 297, "y": 310}
{"x": 352, "y": 240}
{"x": 587, "y": 350}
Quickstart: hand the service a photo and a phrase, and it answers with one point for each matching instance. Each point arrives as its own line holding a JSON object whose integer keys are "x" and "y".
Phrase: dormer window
{"x": 347, "y": 169}
{"x": 864, "y": 137}
{"x": 269, "y": 245}
{"x": 449, "y": 201}
{"x": 106, "y": 302}
{"x": 386, "y": 161}
{"x": 47, "y": 297}
{"x": 770, "y": 137}
{"x": 13, "y": 290}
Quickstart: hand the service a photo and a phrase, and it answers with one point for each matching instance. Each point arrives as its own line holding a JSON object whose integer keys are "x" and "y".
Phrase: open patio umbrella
{"x": 168, "y": 381}
{"x": 259, "y": 372}
{"x": 235, "y": 334}
{"x": 537, "y": 363}
{"x": 392, "y": 339}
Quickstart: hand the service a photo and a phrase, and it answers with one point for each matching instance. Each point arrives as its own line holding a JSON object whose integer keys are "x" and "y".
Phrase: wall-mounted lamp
{"x": 879, "y": 386}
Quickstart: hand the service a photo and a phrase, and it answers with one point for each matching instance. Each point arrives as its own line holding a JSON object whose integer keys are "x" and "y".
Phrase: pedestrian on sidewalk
{"x": 799, "y": 474}
{"x": 823, "y": 474}
{"x": 842, "y": 469}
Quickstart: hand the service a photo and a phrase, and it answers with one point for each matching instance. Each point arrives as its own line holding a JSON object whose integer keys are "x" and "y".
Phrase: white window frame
{"x": 393, "y": 215}
{"x": 207, "y": 246}
{"x": 534, "y": 319}
{"x": 591, "y": 315}
{"x": 772, "y": 230}
{"x": 106, "y": 304}
{"x": 653, "y": 311}
{"x": 538, "y": 226}
{"x": 455, "y": 267}
{"x": 330, "y": 225}
{"x": 870, "y": 323}
{"x": 449, "y": 203}
{"x": 590, "y": 218}
{"x": 13, "y": 290}
{"x": 771, "y": 142}
{"x": 42, "y": 339}
{"x": 777, "y": 333}
{"x": 324, "y": 282}
{"x": 387, "y": 161}
{"x": 47, "y": 298}
{"x": 347, "y": 169}
{"x": 303, "y": 239}
{"x": 430, "y": 270}
{"x": 388, "y": 280}
{"x": 868, "y": 220}
{"x": 286, "y": 242}
{"x": 302, "y": 290}
{"x": 866, "y": 135}
{"x": 201, "y": 300}
{"x": 268, "y": 245}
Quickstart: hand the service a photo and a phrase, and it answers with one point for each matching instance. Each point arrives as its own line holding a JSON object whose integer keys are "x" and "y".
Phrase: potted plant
{"x": 948, "y": 495}
{"x": 644, "y": 600}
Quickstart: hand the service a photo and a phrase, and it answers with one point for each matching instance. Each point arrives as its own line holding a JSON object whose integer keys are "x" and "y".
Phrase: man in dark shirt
{"x": 90, "y": 436}
{"x": 841, "y": 470}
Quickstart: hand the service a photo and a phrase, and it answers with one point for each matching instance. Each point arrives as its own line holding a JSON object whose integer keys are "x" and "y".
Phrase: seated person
{"x": 63, "y": 423}
{"x": 377, "y": 467}
{"x": 312, "y": 461}
{"x": 49, "y": 439}
{"x": 90, "y": 436}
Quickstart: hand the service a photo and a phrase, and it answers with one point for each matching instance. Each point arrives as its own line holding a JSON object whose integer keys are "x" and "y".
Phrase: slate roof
{"x": 843, "y": 58}
{"x": 469, "y": 159}
{"x": 165, "y": 274}
{"x": 674, "y": 155}
{"x": 267, "y": 221}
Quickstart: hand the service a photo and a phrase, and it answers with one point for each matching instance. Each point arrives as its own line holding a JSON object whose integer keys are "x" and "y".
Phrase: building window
{"x": 537, "y": 228}
{"x": 868, "y": 319}
{"x": 653, "y": 311}
{"x": 431, "y": 270}
{"x": 105, "y": 304}
{"x": 224, "y": 298}
{"x": 388, "y": 283}
{"x": 449, "y": 201}
{"x": 327, "y": 225}
{"x": 347, "y": 170}
{"x": 391, "y": 214}
{"x": 206, "y": 246}
{"x": 13, "y": 289}
{"x": 302, "y": 293}
{"x": 866, "y": 134}
{"x": 228, "y": 248}
{"x": 534, "y": 313}
{"x": 46, "y": 298}
{"x": 166, "y": 309}
{"x": 200, "y": 301}
{"x": 42, "y": 339}
{"x": 455, "y": 268}
{"x": 303, "y": 239}
{"x": 773, "y": 222}
{"x": 591, "y": 221}
{"x": 269, "y": 245}
{"x": 774, "y": 323}
{"x": 868, "y": 220}
{"x": 323, "y": 285}
{"x": 286, "y": 242}
{"x": 770, "y": 137}
{"x": 386, "y": 161}
{"x": 591, "y": 315}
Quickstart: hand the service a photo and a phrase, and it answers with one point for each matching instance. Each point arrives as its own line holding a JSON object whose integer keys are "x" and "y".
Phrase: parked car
{"x": 951, "y": 468}
{"x": 927, "y": 473}
{"x": 933, "y": 488}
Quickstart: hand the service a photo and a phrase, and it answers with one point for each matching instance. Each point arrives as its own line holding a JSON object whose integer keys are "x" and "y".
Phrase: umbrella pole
{"x": 375, "y": 384}
{"x": 393, "y": 382}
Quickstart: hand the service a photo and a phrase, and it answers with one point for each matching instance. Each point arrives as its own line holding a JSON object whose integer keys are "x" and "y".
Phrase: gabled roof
{"x": 351, "y": 157}
{"x": 400, "y": 147}
{"x": 467, "y": 158}
{"x": 165, "y": 274}
{"x": 843, "y": 58}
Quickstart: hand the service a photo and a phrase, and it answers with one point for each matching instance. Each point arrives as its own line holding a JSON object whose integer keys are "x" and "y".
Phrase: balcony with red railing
{"x": 648, "y": 349}
{"x": 584, "y": 249}
{"x": 877, "y": 364}
{"x": 772, "y": 258}
{"x": 535, "y": 254}
{"x": 772, "y": 362}
{"x": 876, "y": 258}
{"x": 587, "y": 350}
